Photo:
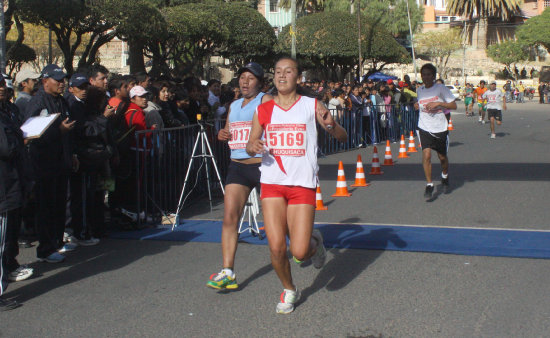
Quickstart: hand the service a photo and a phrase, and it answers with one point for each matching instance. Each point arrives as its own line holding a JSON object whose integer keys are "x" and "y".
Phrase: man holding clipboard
{"x": 52, "y": 157}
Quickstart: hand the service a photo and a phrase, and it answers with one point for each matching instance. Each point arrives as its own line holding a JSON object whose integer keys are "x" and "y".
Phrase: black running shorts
{"x": 436, "y": 141}
{"x": 496, "y": 113}
{"x": 244, "y": 174}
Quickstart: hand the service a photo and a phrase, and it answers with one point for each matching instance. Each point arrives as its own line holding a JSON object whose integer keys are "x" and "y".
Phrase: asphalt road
{"x": 156, "y": 289}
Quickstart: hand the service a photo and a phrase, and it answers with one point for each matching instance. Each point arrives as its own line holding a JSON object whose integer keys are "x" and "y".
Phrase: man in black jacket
{"x": 94, "y": 150}
{"x": 52, "y": 158}
{"x": 11, "y": 181}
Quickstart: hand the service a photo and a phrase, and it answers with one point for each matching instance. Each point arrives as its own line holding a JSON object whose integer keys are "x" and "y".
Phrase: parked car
{"x": 455, "y": 91}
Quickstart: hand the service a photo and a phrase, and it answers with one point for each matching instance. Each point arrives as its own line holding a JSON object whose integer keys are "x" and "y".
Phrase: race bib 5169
{"x": 287, "y": 139}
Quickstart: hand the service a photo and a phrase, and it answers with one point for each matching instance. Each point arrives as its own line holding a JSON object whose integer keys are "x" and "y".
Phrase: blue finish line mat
{"x": 460, "y": 241}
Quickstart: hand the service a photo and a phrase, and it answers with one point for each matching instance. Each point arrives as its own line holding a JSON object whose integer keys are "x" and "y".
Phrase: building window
{"x": 274, "y": 6}
{"x": 546, "y": 3}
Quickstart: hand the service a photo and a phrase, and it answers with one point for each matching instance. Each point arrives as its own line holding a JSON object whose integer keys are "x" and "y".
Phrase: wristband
{"x": 330, "y": 126}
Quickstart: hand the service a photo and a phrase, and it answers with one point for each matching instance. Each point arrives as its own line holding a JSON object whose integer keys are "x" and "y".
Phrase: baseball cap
{"x": 493, "y": 82}
{"x": 54, "y": 72}
{"x": 25, "y": 74}
{"x": 137, "y": 91}
{"x": 390, "y": 81}
{"x": 77, "y": 80}
{"x": 254, "y": 68}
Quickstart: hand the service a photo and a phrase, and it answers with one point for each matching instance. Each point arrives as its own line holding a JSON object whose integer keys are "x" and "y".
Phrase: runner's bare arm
{"x": 255, "y": 145}
{"x": 325, "y": 119}
{"x": 224, "y": 134}
{"x": 267, "y": 97}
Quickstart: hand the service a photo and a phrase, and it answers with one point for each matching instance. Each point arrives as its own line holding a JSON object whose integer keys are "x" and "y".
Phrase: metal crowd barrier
{"x": 163, "y": 155}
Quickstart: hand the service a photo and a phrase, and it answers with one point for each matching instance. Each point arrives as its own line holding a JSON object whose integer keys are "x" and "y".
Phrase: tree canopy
{"x": 330, "y": 39}
{"x": 508, "y": 53}
{"x": 438, "y": 46}
{"x": 503, "y": 9}
{"x": 536, "y": 30}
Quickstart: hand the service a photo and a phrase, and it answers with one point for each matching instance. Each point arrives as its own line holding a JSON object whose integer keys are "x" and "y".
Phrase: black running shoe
{"x": 6, "y": 305}
{"x": 429, "y": 191}
{"x": 445, "y": 184}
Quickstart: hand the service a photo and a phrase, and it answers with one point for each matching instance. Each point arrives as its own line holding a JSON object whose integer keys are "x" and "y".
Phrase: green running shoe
{"x": 221, "y": 280}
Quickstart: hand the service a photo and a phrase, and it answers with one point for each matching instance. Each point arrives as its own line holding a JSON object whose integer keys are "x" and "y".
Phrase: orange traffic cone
{"x": 341, "y": 185}
{"x": 360, "y": 180}
{"x": 402, "y": 149}
{"x": 319, "y": 199}
{"x": 412, "y": 147}
{"x": 388, "y": 160}
{"x": 450, "y": 126}
{"x": 375, "y": 168}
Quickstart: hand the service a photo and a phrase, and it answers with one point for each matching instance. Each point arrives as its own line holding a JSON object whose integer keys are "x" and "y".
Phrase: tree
{"x": 85, "y": 20}
{"x": 536, "y": 30}
{"x": 199, "y": 30}
{"x": 17, "y": 55}
{"x": 329, "y": 41}
{"x": 392, "y": 14}
{"x": 483, "y": 10}
{"x": 438, "y": 46}
{"x": 36, "y": 37}
{"x": 508, "y": 53}
{"x": 142, "y": 25}
{"x": 252, "y": 40}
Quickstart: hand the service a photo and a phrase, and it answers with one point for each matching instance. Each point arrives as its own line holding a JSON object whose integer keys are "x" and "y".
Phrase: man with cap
{"x": 495, "y": 104}
{"x": 91, "y": 136}
{"x": 52, "y": 159}
{"x": 26, "y": 86}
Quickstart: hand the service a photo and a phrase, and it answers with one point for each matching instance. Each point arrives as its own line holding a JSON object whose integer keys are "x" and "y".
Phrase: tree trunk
{"x": 482, "y": 26}
{"x": 135, "y": 56}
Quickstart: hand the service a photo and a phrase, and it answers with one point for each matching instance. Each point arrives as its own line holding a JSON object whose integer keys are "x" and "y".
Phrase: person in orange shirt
{"x": 481, "y": 102}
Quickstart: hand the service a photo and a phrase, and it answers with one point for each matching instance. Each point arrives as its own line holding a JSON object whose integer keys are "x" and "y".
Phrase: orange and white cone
{"x": 360, "y": 180}
{"x": 375, "y": 167}
{"x": 341, "y": 185}
{"x": 388, "y": 159}
{"x": 402, "y": 149}
{"x": 319, "y": 199}
{"x": 412, "y": 146}
{"x": 450, "y": 126}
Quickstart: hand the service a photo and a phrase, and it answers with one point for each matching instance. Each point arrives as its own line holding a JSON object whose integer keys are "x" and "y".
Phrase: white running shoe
{"x": 67, "y": 247}
{"x": 493, "y": 135}
{"x": 21, "y": 273}
{"x": 288, "y": 299}
{"x": 320, "y": 256}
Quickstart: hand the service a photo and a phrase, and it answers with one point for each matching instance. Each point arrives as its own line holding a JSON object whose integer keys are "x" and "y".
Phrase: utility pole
{"x": 2, "y": 40}
{"x": 412, "y": 38}
{"x": 360, "y": 65}
{"x": 292, "y": 27}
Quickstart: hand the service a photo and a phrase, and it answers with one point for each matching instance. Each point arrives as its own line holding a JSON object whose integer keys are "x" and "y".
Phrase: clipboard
{"x": 35, "y": 126}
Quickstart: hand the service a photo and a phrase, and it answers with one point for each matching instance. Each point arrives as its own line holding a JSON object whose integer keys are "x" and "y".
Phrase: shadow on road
{"x": 85, "y": 262}
{"x": 347, "y": 264}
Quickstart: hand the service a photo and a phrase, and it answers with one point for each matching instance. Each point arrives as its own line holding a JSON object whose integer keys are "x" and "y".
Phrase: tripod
{"x": 204, "y": 155}
{"x": 252, "y": 209}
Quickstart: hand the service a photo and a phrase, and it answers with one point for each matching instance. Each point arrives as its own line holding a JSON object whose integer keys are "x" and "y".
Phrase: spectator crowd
{"x": 70, "y": 185}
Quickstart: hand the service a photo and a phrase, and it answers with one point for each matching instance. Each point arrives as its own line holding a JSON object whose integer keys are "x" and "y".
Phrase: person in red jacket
{"x": 126, "y": 189}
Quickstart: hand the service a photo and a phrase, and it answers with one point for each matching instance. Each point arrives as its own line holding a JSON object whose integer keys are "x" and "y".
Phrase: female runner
{"x": 244, "y": 171}
{"x": 289, "y": 173}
